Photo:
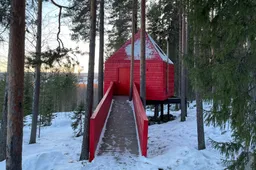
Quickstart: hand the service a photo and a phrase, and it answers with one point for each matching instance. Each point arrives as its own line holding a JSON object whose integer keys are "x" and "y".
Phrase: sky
{"x": 49, "y": 33}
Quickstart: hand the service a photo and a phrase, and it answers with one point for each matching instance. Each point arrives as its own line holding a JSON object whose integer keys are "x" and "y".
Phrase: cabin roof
{"x": 152, "y": 50}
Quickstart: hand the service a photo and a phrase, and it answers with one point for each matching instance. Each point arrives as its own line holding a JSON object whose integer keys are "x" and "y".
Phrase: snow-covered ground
{"x": 171, "y": 145}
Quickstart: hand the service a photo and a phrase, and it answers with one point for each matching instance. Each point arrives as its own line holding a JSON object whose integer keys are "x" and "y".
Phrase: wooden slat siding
{"x": 171, "y": 79}
{"x": 141, "y": 120}
{"x": 98, "y": 119}
{"x": 155, "y": 85}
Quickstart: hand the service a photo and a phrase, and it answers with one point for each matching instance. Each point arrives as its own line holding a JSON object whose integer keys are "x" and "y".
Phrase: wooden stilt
{"x": 156, "y": 111}
{"x": 162, "y": 112}
{"x": 168, "y": 111}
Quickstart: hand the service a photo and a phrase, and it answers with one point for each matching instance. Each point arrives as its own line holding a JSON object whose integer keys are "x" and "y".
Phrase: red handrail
{"x": 142, "y": 121}
{"x": 98, "y": 119}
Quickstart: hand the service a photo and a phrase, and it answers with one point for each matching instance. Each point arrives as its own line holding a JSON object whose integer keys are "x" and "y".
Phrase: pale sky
{"x": 49, "y": 33}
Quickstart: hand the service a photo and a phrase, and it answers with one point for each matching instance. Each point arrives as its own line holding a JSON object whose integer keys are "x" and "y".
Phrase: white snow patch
{"x": 149, "y": 51}
{"x": 137, "y": 132}
{"x": 104, "y": 129}
{"x": 160, "y": 51}
{"x": 171, "y": 145}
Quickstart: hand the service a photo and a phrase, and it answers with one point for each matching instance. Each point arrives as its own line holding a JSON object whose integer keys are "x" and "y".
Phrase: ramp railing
{"x": 141, "y": 120}
{"x": 98, "y": 120}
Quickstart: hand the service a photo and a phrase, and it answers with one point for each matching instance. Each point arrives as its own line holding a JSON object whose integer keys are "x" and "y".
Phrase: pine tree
{"x": 16, "y": 85}
{"x": 77, "y": 124}
{"x": 101, "y": 52}
{"x": 121, "y": 24}
{"x": 36, "y": 95}
{"x": 28, "y": 92}
{"x": 231, "y": 71}
{"x": 89, "y": 95}
{"x": 143, "y": 54}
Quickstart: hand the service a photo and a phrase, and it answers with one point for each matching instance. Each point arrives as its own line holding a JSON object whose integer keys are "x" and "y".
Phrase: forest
{"x": 45, "y": 45}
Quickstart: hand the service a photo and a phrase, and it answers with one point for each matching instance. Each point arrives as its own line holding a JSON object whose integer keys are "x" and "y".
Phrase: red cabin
{"x": 159, "y": 70}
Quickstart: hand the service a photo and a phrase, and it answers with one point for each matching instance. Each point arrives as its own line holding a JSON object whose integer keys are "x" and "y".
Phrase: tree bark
{"x": 36, "y": 97}
{"x": 183, "y": 79}
{"x": 16, "y": 86}
{"x": 200, "y": 120}
{"x": 101, "y": 51}
{"x": 89, "y": 95}
{"x": 3, "y": 132}
{"x": 142, "y": 55}
{"x": 134, "y": 25}
{"x": 199, "y": 107}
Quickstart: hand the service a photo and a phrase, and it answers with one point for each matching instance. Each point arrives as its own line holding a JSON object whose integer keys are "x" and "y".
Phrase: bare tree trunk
{"x": 200, "y": 120}
{"x": 199, "y": 107}
{"x": 167, "y": 65}
{"x": 142, "y": 55}
{"x": 134, "y": 24}
{"x": 89, "y": 95}
{"x": 16, "y": 86}
{"x": 36, "y": 97}
{"x": 186, "y": 52}
{"x": 101, "y": 55}
{"x": 3, "y": 132}
{"x": 183, "y": 79}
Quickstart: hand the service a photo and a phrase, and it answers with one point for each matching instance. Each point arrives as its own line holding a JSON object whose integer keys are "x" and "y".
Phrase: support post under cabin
{"x": 162, "y": 112}
{"x": 168, "y": 111}
{"x": 156, "y": 111}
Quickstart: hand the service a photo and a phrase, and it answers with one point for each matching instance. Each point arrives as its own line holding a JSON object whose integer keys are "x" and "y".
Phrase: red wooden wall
{"x": 155, "y": 77}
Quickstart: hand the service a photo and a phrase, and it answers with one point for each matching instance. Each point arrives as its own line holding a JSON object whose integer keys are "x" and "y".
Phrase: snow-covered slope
{"x": 172, "y": 145}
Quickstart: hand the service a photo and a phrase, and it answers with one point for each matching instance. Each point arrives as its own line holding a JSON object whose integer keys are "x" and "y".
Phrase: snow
{"x": 160, "y": 51}
{"x": 149, "y": 51}
{"x": 171, "y": 145}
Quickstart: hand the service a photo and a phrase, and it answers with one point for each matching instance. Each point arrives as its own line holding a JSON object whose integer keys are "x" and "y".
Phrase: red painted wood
{"x": 123, "y": 80}
{"x": 155, "y": 73}
{"x": 141, "y": 120}
{"x": 98, "y": 119}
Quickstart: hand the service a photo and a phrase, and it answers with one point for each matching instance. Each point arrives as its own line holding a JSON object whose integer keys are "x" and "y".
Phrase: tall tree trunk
{"x": 16, "y": 86}
{"x": 36, "y": 97}
{"x": 199, "y": 106}
{"x": 135, "y": 15}
{"x": 200, "y": 120}
{"x": 89, "y": 95}
{"x": 186, "y": 52}
{"x": 142, "y": 55}
{"x": 3, "y": 130}
{"x": 134, "y": 25}
{"x": 183, "y": 79}
{"x": 101, "y": 51}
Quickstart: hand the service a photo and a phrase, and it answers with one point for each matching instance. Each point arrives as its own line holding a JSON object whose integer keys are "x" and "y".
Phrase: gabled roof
{"x": 153, "y": 51}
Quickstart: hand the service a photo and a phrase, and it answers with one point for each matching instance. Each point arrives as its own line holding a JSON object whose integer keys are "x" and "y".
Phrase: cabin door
{"x": 123, "y": 81}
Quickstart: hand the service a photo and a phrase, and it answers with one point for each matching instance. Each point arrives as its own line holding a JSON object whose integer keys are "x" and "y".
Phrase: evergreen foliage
{"x": 80, "y": 18}
{"x": 77, "y": 124}
{"x": 226, "y": 31}
{"x": 163, "y": 22}
{"x": 58, "y": 93}
{"x": 28, "y": 93}
{"x": 121, "y": 21}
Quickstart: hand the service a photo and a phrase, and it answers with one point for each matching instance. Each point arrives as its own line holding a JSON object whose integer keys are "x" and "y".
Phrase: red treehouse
{"x": 159, "y": 89}
{"x": 159, "y": 70}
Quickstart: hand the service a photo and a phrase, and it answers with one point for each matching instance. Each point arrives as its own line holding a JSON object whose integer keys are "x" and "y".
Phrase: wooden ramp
{"x": 120, "y": 134}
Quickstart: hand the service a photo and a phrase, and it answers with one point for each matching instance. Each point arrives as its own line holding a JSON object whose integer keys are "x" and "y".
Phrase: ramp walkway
{"x": 120, "y": 134}
{"x": 120, "y": 129}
